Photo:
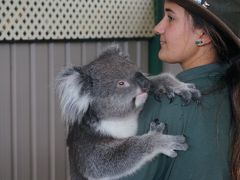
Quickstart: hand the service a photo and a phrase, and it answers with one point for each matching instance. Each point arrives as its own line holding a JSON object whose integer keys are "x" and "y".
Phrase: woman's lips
{"x": 162, "y": 42}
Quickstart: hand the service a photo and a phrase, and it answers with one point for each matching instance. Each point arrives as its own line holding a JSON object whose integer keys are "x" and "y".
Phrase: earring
{"x": 198, "y": 42}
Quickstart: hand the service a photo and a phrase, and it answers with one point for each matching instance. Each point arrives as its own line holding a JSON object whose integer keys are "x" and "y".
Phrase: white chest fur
{"x": 119, "y": 127}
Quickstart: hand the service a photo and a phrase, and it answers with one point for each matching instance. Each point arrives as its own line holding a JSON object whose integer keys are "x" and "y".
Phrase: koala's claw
{"x": 169, "y": 93}
{"x": 157, "y": 126}
{"x": 177, "y": 144}
{"x": 158, "y": 93}
{"x": 188, "y": 92}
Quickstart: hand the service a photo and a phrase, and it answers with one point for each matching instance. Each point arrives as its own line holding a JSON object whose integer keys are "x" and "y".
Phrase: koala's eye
{"x": 122, "y": 84}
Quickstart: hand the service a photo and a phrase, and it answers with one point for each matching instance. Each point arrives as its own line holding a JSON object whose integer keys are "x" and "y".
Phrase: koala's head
{"x": 111, "y": 86}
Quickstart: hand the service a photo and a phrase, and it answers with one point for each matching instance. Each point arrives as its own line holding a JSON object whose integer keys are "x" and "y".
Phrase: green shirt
{"x": 207, "y": 127}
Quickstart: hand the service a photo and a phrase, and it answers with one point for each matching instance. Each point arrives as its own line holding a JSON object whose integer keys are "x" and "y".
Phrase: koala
{"x": 101, "y": 102}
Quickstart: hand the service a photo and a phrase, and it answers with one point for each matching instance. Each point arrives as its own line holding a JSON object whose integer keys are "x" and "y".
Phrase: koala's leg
{"x": 123, "y": 157}
{"x": 166, "y": 83}
{"x": 74, "y": 172}
{"x": 79, "y": 177}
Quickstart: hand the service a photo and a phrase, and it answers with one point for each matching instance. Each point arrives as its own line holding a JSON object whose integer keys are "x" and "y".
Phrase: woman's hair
{"x": 233, "y": 80}
{"x": 228, "y": 54}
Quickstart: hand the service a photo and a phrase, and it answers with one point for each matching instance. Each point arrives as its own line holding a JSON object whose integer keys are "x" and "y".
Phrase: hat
{"x": 223, "y": 14}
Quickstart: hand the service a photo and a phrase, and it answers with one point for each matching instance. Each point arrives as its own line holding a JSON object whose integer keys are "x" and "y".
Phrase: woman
{"x": 203, "y": 37}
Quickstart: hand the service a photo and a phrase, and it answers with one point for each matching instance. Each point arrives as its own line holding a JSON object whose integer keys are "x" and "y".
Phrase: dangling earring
{"x": 198, "y": 42}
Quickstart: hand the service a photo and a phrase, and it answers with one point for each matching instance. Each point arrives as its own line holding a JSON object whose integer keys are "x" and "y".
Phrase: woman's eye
{"x": 170, "y": 18}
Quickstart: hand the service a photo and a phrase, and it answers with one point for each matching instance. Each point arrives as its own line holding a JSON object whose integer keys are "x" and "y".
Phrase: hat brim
{"x": 203, "y": 12}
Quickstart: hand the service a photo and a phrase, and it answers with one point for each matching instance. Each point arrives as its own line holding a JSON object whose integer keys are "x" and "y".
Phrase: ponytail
{"x": 233, "y": 80}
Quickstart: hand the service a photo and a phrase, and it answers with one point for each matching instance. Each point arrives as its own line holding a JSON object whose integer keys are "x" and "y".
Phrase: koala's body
{"x": 101, "y": 102}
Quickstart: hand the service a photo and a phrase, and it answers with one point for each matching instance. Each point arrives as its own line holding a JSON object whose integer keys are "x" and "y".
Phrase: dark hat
{"x": 223, "y": 14}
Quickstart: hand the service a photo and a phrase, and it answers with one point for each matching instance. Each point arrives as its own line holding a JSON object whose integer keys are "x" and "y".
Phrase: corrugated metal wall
{"x": 32, "y": 133}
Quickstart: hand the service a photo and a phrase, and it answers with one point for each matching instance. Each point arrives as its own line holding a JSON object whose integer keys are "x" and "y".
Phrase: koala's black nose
{"x": 142, "y": 81}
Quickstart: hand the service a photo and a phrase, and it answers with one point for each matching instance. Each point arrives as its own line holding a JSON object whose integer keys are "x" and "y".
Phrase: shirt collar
{"x": 210, "y": 70}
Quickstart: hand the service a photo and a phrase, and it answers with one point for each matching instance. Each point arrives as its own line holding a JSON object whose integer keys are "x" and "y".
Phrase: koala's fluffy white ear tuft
{"x": 74, "y": 94}
{"x": 111, "y": 50}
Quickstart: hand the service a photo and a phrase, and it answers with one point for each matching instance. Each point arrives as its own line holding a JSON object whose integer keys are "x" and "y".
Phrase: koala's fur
{"x": 101, "y": 102}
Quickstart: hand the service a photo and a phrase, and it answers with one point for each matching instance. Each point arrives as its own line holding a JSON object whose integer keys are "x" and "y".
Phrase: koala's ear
{"x": 73, "y": 87}
{"x": 111, "y": 50}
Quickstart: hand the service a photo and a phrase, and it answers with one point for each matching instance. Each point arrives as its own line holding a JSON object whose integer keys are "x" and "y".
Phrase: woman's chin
{"x": 166, "y": 58}
{"x": 162, "y": 56}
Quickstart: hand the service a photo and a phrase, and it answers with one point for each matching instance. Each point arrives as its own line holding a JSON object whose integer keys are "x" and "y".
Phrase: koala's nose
{"x": 142, "y": 81}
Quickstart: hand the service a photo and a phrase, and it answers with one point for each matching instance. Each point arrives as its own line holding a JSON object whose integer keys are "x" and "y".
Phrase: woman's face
{"x": 177, "y": 35}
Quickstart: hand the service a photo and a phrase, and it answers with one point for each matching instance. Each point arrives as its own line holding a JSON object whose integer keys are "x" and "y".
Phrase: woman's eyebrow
{"x": 169, "y": 10}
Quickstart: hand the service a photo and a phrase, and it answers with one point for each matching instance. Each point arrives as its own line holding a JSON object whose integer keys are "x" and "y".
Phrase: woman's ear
{"x": 202, "y": 38}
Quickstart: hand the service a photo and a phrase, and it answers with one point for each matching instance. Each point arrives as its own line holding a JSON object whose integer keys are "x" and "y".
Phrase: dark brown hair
{"x": 233, "y": 79}
{"x": 228, "y": 54}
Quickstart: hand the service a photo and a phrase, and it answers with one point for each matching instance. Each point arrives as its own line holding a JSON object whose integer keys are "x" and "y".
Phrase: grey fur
{"x": 101, "y": 102}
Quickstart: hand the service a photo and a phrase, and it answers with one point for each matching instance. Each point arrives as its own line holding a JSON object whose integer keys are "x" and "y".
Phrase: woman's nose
{"x": 159, "y": 28}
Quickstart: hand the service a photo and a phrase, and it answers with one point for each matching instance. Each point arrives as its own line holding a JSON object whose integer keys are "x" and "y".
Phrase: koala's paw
{"x": 169, "y": 92}
{"x": 157, "y": 126}
{"x": 173, "y": 144}
{"x": 187, "y": 92}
